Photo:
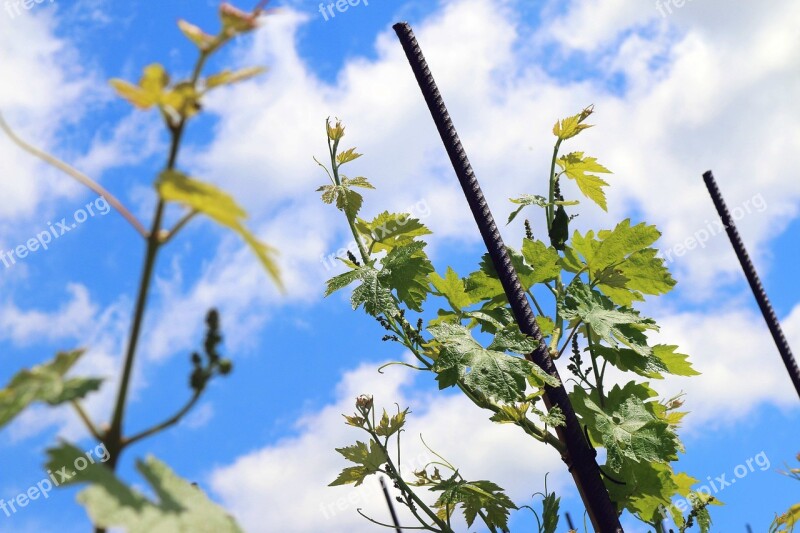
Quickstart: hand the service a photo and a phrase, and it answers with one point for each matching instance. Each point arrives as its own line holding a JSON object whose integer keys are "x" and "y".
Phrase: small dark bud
{"x": 528, "y": 230}
{"x": 225, "y": 366}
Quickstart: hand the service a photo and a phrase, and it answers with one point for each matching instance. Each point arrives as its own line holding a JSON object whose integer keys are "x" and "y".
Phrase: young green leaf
{"x": 550, "y": 507}
{"x": 369, "y": 459}
{"x": 347, "y": 200}
{"x": 620, "y": 261}
{"x": 389, "y": 230}
{"x": 347, "y": 156}
{"x": 181, "y": 506}
{"x": 571, "y": 126}
{"x": 662, "y": 359}
{"x": 405, "y": 270}
{"x": 474, "y": 497}
{"x": 542, "y": 259}
{"x": 583, "y": 169}
{"x": 388, "y": 426}
{"x": 613, "y": 325}
{"x": 45, "y": 383}
{"x": 452, "y": 287}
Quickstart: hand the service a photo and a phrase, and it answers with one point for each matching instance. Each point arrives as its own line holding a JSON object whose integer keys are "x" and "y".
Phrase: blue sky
{"x": 707, "y": 86}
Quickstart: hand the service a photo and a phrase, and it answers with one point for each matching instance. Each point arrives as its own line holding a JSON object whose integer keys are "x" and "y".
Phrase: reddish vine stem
{"x": 579, "y": 455}
{"x": 755, "y": 283}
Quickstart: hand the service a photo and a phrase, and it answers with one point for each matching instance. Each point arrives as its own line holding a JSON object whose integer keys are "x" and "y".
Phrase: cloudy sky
{"x": 677, "y": 91}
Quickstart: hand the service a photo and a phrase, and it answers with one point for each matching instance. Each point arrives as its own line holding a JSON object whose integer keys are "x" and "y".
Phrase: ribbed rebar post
{"x": 579, "y": 456}
{"x": 389, "y": 502}
{"x": 755, "y": 283}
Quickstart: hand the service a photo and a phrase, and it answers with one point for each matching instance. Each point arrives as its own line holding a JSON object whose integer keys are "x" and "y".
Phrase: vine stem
{"x": 114, "y": 438}
{"x": 350, "y": 219}
{"x": 174, "y": 419}
{"x": 549, "y": 211}
{"x": 80, "y": 177}
{"x": 597, "y": 378}
{"x": 392, "y": 471}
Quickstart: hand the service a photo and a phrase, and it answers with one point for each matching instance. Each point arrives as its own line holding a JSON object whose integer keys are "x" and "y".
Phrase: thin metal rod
{"x": 755, "y": 283}
{"x": 389, "y": 502}
{"x": 579, "y": 456}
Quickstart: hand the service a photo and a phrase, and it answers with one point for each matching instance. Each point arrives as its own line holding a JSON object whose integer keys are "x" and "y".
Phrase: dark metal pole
{"x": 388, "y": 496}
{"x": 755, "y": 283}
{"x": 579, "y": 456}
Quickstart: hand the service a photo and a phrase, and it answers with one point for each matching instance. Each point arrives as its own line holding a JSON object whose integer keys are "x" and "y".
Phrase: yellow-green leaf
{"x": 174, "y": 186}
{"x": 154, "y": 79}
{"x": 580, "y": 169}
{"x": 201, "y": 39}
{"x": 133, "y": 94}
{"x": 347, "y": 156}
{"x": 227, "y": 77}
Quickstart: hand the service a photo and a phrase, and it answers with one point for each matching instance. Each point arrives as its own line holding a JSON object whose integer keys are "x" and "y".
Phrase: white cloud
{"x": 293, "y": 474}
{"x": 79, "y": 323}
{"x": 739, "y": 364}
{"x": 24, "y": 327}
{"x": 46, "y": 87}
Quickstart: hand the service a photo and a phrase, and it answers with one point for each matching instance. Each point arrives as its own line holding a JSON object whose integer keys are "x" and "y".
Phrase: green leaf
{"x": 675, "y": 363}
{"x": 628, "y": 430}
{"x": 613, "y": 325}
{"x": 484, "y": 284}
{"x": 452, "y": 287}
{"x": 474, "y": 497}
{"x": 511, "y": 339}
{"x": 620, "y": 262}
{"x": 662, "y": 359}
{"x": 550, "y": 507}
{"x": 491, "y": 319}
{"x": 405, "y": 270}
{"x": 581, "y": 169}
{"x": 648, "y": 488}
{"x": 494, "y": 373}
{"x": 343, "y": 280}
{"x": 389, "y": 230}
{"x": 369, "y": 459}
{"x": 174, "y": 186}
{"x": 110, "y": 503}
{"x": 542, "y": 259}
{"x": 372, "y": 294}
{"x": 45, "y": 383}
{"x": 546, "y": 325}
